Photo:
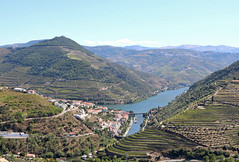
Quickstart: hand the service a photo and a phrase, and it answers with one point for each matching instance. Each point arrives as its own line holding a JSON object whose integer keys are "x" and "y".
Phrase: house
{"x": 118, "y": 116}
{"x": 84, "y": 157}
{"x": 77, "y": 103}
{"x": 115, "y": 119}
{"x": 20, "y": 90}
{"x": 126, "y": 116}
{"x": 90, "y": 104}
{"x": 153, "y": 111}
{"x": 31, "y": 155}
{"x": 52, "y": 100}
{"x": 235, "y": 81}
{"x": 96, "y": 111}
{"x": 90, "y": 110}
{"x": 115, "y": 124}
{"x": 123, "y": 120}
{"x": 72, "y": 134}
{"x": 112, "y": 130}
{"x": 31, "y": 91}
{"x": 105, "y": 109}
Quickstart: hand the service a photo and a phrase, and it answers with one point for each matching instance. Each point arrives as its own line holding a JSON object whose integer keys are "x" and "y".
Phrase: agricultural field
{"x": 139, "y": 145}
{"x": 211, "y": 122}
{"x": 17, "y": 106}
{"x": 214, "y": 123}
{"x": 52, "y": 136}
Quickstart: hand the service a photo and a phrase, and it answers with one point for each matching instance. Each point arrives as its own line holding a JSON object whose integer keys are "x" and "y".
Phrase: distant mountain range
{"x": 62, "y": 68}
{"x": 139, "y": 48}
{"x": 179, "y": 67}
{"x": 220, "y": 48}
{"x": 28, "y": 44}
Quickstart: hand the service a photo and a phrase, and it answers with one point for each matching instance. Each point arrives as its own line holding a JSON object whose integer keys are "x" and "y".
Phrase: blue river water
{"x": 161, "y": 99}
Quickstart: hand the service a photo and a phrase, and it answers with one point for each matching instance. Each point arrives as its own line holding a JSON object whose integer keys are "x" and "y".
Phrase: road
{"x": 146, "y": 122}
{"x": 127, "y": 131}
{"x": 49, "y": 117}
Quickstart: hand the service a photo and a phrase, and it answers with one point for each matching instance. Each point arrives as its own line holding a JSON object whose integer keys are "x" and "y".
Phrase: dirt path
{"x": 217, "y": 91}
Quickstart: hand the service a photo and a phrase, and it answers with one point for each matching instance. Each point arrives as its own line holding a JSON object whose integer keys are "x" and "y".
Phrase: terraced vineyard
{"x": 214, "y": 124}
{"x": 61, "y": 68}
{"x": 141, "y": 144}
{"x": 229, "y": 95}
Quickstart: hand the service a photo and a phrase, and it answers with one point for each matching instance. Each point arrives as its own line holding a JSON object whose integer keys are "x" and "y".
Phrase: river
{"x": 161, "y": 99}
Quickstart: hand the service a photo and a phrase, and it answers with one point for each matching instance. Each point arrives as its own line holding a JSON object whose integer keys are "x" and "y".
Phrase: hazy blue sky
{"x": 122, "y": 22}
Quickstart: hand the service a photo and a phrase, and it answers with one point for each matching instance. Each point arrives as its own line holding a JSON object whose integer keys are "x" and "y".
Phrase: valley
{"x": 77, "y": 82}
{"x": 62, "y": 68}
{"x": 205, "y": 116}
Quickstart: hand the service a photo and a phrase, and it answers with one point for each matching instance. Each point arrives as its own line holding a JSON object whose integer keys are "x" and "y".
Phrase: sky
{"x": 152, "y": 23}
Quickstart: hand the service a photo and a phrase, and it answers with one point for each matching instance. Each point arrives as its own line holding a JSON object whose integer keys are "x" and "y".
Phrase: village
{"x": 115, "y": 122}
{"x": 112, "y": 120}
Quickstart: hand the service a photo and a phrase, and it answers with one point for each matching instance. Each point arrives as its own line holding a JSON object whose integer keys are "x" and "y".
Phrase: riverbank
{"x": 130, "y": 125}
{"x": 160, "y": 100}
{"x": 146, "y": 122}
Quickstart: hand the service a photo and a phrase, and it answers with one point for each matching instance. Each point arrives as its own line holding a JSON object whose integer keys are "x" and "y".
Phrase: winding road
{"x": 49, "y": 117}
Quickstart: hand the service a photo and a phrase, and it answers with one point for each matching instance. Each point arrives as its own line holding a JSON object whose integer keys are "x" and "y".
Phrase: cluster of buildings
{"x": 87, "y": 109}
{"x": 24, "y": 90}
{"x": 119, "y": 118}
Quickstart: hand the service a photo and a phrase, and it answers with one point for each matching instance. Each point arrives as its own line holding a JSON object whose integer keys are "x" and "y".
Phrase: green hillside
{"x": 18, "y": 106}
{"x": 141, "y": 144}
{"x": 202, "y": 90}
{"x": 179, "y": 67}
{"x": 62, "y": 68}
{"x": 207, "y": 115}
{"x": 208, "y": 112}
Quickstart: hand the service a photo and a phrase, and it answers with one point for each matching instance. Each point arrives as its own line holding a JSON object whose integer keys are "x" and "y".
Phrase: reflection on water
{"x": 161, "y": 99}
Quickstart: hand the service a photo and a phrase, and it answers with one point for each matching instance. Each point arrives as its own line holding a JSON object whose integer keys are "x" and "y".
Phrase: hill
{"x": 179, "y": 67}
{"x": 50, "y": 137}
{"x": 208, "y": 113}
{"x": 62, "y": 68}
{"x": 18, "y": 106}
{"x": 210, "y": 106}
{"x": 206, "y": 116}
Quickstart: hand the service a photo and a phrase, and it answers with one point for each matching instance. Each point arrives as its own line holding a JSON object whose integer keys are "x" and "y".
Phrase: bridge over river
{"x": 137, "y": 113}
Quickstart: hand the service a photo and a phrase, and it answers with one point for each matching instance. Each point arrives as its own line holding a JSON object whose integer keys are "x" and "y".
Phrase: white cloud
{"x": 121, "y": 42}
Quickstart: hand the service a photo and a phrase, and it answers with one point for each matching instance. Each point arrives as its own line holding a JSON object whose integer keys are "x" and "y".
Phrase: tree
{"x": 69, "y": 154}
{"x": 59, "y": 154}
{"x": 48, "y": 155}
{"x": 206, "y": 159}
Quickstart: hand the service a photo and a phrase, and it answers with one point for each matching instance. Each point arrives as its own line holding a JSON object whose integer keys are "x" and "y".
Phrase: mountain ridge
{"x": 180, "y": 67}
{"x": 60, "y": 67}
